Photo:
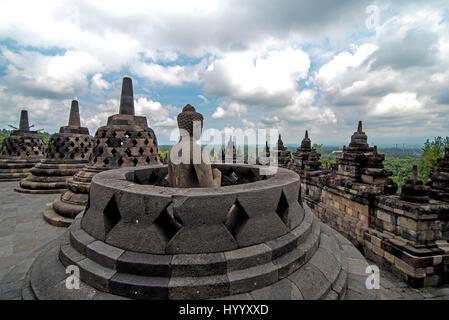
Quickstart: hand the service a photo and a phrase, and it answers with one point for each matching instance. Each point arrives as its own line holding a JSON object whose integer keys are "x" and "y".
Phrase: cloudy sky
{"x": 291, "y": 65}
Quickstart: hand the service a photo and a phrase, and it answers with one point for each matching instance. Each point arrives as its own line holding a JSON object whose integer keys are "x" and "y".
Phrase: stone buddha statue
{"x": 189, "y": 165}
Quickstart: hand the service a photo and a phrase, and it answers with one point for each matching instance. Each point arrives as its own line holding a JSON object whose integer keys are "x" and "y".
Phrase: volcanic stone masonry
{"x": 126, "y": 141}
{"x": 439, "y": 180}
{"x": 406, "y": 232}
{"x": 141, "y": 238}
{"x": 20, "y": 151}
{"x": 67, "y": 153}
{"x": 283, "y": 154}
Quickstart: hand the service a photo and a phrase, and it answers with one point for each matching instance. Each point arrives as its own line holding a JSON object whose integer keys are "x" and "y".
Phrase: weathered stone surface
{"x": 138, "y": 287}
{"x": 281, "y": 290}
{"x": 192, "y": 170}
{"x": 67, "y": 153}
{"x": 144, "y": 264}
{"x": 311, "y": 282}
{"x": 20, "y": 151}
{"x": 126, "y": 141}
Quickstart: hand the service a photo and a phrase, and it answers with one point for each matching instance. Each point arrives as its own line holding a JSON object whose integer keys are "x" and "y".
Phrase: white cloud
{"x": 398, "y": 103}
{"x": 157, "y": 114}
{"x": 33, "y": 73}
{"x": 170, "y": 75}
{"x": 232, "y": 109}
{"x": 219, "y": 113}
{"x": 257, "y": 78}
{"x": 98, "y": 84}
{"x": 203, "y": 98}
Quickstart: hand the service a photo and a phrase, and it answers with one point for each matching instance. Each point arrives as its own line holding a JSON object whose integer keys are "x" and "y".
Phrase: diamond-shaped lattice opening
{"x": 111, "y": 215}
{"x": 82, "y": 144}
{"x": 120, "y": 161}
{"x": 135, "y": 161}
{"x": 282, "y": 209}
{"x": 114, "y": 134}
{"x": 77, "y": 139}
{"x": 147, "y": 160}
{"x": 141, "y": 150}
{"x": 146, "y": 141}
{"x": 127, "y": 135}
{"x": 139, "y": 134}
{"x": 72, "y": 144}
{"x": 106, "y": 161}
{"x": 154, "y": 178}
{"x": 134, "y": 142}
{"x": 103, "y": 134}
{"x": 82, "y": 155}
{"x": 114, "y": 152}
{"x": 128, "y": 152}
{"x": 236, "y": 218}
{"x": 61, "y": 155}
{"x": 151, "y": 150}
{"x": 167, "y": 223}
{"x": 72, "y": 156}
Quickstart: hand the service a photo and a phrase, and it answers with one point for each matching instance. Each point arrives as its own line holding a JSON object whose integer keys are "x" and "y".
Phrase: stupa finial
{"x": 414, "y": 172}
{"x": 24, "y": 124}
{"x": 74, "y": 117}
{"x": 360, "y": 128}
{"x": 126, "y": 98}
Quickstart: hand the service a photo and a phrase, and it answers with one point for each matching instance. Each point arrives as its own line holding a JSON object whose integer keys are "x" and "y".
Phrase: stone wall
{"x": 411, "y": 239}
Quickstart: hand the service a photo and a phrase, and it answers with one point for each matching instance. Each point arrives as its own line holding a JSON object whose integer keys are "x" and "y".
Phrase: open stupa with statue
{"x": 176, "y": 232}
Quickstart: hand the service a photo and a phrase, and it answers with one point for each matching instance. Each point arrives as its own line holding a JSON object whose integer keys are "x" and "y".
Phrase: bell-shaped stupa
{"x": 67, "y": 153}
{"x": 20, "y": 151}
{"x": 126, "y": 141}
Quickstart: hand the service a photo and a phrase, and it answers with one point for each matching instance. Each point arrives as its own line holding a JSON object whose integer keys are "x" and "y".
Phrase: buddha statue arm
{"x": 207, "y": 177}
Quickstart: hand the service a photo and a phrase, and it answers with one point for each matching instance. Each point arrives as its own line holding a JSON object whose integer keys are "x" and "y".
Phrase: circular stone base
{"x": 12, "y": 176}
{"x": 55, "y": 219}
{"x": 319, "y": 264}
{"x": 41, "y": 191}
{"x": 13, "y": 170}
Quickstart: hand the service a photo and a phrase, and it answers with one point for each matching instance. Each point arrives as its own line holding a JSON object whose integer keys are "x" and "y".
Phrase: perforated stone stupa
{"x": 126, "y": 141}
{"x": 67, "y": 153}
{"x": 20, "y": 151}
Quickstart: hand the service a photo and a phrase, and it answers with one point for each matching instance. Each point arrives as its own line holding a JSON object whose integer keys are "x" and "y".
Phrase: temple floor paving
{"x": 24, "y": 233}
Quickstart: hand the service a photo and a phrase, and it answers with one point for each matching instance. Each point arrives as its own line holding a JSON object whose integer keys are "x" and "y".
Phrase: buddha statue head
{"x": 190, "y": 122}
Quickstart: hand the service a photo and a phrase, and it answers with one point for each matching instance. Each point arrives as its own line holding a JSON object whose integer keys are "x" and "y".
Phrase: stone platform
{"x": 142, "y": 240}
{"x": 24, "y": 234}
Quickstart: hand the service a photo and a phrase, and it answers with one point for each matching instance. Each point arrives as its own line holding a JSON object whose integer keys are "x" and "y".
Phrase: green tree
{"x": 431, "y": 152}
{"x": 401, "y": 167}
